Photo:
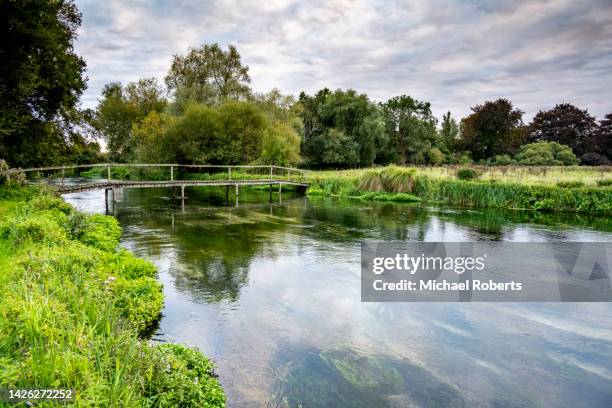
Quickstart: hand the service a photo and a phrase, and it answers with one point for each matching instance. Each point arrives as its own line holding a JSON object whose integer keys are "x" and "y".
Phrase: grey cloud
{"x": 453, "y": 53}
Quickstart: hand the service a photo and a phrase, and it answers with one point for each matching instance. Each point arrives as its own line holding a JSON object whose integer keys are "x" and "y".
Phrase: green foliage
{"x": 449, "y": 133}
{"x": 570, "y": 184}
{"x": 188, "y": 380}
{"x": 102, "y": 232}
{"x": 70, "y": 314}
{"x": 604, "y": 182}
{"x": 467, "y": 174}
{"x": 546, "y": 154}
{"x": 395, "y": 197}
{"x": 41, "y": 79}
{"x": 122, "y": 108}
{"x": 567, "y": 125}
{"x": 341, "y": 128}
{"x": 390, "y": 179}
{"x": 491, "y": 129}
{"x": 234, "y": 132}
{"x": 462, "y": 193}
{"x": 411, "y": 130}
{"x": 139, "y": 300}
{"x": 208, "y": 75}
{"x": 503, "y": 160}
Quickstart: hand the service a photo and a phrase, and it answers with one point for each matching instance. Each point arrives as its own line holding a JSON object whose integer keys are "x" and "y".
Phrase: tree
{"x": 208, "y": 75}
{"x": 41, "y": 77}
{"x": 341, "y": 128}
{"x": 449, "y": 133}
{"x": 491, "y": 129}
{"x": 123, "y": 107}
{"x": 411, "y": 129}
{"x": 602, "y": 140}
{"x": 544, "y": 153}
{"x": 565, "y": 124}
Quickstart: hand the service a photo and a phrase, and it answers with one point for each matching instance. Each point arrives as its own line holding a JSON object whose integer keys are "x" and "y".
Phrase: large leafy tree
{"x": 209, "y": 75}
{"x": 41, "y": 78}
{"x": 565, "y": 124}
{"x": 341, "y": 128}
{"x": 411, "y": 129}
{"x": 123, "y": 107}
{"x": 491, "y": 129}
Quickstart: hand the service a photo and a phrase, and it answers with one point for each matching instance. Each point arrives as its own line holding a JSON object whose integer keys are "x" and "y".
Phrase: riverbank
{"x": 586, "y": 195}
{"x": 75, "y": 311}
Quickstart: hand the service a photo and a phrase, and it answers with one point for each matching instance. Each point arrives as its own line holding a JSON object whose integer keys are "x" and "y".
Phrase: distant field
{"x": 531, "y": 175}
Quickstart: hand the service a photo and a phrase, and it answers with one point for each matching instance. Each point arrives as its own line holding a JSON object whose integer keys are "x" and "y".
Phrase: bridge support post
{"x": 236, "y": 190}
{"x": 227, "y": 194}
{"x": 270, "y": 192}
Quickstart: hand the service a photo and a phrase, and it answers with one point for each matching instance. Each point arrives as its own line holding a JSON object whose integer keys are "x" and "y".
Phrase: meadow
{"x": 548, "y": 189}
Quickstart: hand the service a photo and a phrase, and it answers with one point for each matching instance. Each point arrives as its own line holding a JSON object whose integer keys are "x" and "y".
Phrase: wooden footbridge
{"x": 216, "y": 175}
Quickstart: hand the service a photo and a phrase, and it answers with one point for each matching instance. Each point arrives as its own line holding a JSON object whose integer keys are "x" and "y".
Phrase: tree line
{"x": 204, "y": 111}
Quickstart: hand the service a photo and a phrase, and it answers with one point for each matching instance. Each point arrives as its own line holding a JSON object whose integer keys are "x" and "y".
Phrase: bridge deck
{"x": 113, "y": 184}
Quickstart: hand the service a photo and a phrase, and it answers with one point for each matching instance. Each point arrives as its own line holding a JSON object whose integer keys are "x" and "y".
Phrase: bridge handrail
{"x": 77, "y": 166}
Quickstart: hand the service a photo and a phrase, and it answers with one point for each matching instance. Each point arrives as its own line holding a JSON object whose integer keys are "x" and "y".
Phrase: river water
{"x": 271, "y": 292}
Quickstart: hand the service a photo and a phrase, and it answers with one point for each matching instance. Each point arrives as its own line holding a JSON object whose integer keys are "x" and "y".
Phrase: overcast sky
{"x": 454, "y": 54}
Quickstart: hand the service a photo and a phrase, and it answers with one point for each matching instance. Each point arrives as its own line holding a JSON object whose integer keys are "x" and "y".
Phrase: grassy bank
{"x": 580, "y": 196}
{"x": 74, "y": 311}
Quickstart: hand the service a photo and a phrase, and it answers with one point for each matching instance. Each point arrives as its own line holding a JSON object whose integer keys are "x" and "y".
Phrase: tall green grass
{"x": 74, "y": 310}
{"x": 566, "y": 196}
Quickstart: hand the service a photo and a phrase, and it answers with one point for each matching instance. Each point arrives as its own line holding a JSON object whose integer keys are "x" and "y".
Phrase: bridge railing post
{"x": 108, "y": 169}
{"x": 229, "y": 173}
{"x": 271, "y": 167}
{"x": 171, "y": 173}
{"x": 62, "y": 176}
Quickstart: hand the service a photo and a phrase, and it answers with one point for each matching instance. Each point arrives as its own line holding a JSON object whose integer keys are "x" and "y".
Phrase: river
{"x": 271, "y": 292}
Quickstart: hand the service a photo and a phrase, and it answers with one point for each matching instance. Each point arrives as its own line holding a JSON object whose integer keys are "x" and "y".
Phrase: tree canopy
{"x": 565, "y": 124}
{"x": 41, "y": 80}
{"x": 208, "y": 74}
{"x": 491, "y": 129}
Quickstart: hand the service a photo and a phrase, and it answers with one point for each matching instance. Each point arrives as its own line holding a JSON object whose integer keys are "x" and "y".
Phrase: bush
{"x": 546, "y": 154}
{"x": 189, "y": 379}
{"x": 594, "y": 159}
{"x": 570, "y": 184}
{"x": 467, "y": 174}
{"x": 102, "y": 232}
{"x": 435, "y": 156}
{"x": 503, "y": 160}
{"x": 604, "y": 182}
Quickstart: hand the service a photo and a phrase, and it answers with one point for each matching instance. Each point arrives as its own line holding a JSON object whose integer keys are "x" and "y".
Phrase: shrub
{"x": 102, "y": 232}
{"x": 503, "y": 160}
{"x": 466, "y": 174}
{"x": 435, "y": 156}
{"x": 546, "y": 154}
{"x": 140, "y": 300}
{"x": 594, "y": 159}
{"x": 188, "y": 380}
{"x": 570, "y": 184}
{"x": 604, "y": 182}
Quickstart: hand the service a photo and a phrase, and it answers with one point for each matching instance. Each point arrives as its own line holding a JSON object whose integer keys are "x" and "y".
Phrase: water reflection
{"x": 271, "y": 292}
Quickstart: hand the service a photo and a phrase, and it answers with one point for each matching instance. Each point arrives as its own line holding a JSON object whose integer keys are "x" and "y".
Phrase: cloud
{"x": 455, "y": 54}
